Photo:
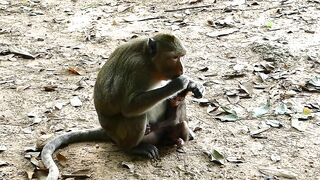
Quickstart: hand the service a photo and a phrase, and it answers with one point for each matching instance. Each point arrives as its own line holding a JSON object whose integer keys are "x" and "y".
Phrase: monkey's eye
{"x": 175, "y": 58}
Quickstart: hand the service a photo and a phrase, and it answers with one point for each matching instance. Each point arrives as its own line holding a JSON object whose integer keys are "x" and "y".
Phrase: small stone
{"x": 75, "y": 101}
{"x": 275, "y": 157}
{"x": 3, "y": 148}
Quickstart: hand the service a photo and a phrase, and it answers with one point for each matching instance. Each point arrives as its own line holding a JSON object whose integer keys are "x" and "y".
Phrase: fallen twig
{"x": 151, "y": 18}
{"x": 225, "y": 8}
{"x": 75, "y": 176}
{"x": 190, "y": 7}
{"x": 8, "y": 81}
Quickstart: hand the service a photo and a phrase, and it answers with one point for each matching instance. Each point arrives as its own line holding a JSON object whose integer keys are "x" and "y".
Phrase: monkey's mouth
{"x": 175, "y": 76}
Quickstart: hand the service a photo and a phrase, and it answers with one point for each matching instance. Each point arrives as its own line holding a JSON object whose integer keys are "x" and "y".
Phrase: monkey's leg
{"x": 176, "y": 115}
{"x": 128, "y": 134}
{"x": 182, "y": 115}
{"x": 178, "y": 101}
{"x": 173, "y": 127}
{"x": 181, "y": 129}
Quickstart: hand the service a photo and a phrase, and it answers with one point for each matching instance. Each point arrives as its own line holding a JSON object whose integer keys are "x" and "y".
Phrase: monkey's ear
{"x": 152, "y": 47}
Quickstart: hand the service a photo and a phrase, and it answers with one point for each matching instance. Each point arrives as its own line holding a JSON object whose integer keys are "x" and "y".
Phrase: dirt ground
{"x": 51, "y": 51}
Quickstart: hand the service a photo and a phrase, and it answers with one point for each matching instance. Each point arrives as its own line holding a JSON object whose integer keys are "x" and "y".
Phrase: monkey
{"x": 175, "y": 127}
{"x": 128, "y": 97}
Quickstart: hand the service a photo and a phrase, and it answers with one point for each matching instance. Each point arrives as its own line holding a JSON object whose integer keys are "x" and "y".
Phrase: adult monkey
{"x": 128, "y": 98}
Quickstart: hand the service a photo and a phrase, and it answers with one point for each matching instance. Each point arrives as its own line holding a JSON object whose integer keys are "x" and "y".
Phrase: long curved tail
{"x": 96, "y": 134}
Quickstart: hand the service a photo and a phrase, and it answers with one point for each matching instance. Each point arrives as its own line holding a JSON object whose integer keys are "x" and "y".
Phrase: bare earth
{"x": 272, "y": 47}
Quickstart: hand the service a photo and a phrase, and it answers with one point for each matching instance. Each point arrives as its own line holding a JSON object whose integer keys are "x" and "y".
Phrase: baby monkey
{"x": 128, "y": 98}
{"x": 174, "y": 128}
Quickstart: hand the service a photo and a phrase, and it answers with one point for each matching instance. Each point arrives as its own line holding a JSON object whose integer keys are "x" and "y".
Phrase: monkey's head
{"x": 166, "y": 51}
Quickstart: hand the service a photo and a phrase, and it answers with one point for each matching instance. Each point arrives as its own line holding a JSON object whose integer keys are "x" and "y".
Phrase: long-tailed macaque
{"x": 128, "y": 98}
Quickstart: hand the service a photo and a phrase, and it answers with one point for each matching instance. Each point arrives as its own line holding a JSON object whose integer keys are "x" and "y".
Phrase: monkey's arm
{"x": 175, "y": 103}
{"x": 141, "y": 103}
{"x": 196, "y": 88}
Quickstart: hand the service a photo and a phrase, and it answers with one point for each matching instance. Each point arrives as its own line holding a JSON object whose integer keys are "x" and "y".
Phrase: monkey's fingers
{"x": 197, "y": 89}
{"x": 146, "y": 150}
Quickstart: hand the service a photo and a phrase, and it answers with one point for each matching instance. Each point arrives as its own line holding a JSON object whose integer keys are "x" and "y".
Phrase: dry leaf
{"x": 31, "y": 148}
{"x": 210, "y": 109}
{"x": 226, "y": 114}
{"x": 274, "y": 123}
{"x": 130, "y": 18}
{"x": 233, "y": 99}
{"x": 74, "y": 70}
{"x": 234, "y": 74}
{"x": 3, "y": 163}
{"x": 62, "y": 159}
{"x": 80, "y": 174}
{"x": 263, "y": 76}
{"x": 296, "y": 124}
{"x": 128, "y": 165}
{"x": 235, "y": 159}
{"x": 42, "y": 140}
{"x": 21, "y": 52}
{"x": 256, "y": 132}
{"x": 204, "y": 69}
{"x": 32, "y": 114}
{"x": 30, "y": 174}
{"x": 259, "y": 111}
{"x": 220, "y": 33}
{"x": 201, "y": 101}
{"x": 21, "y": 88}
{"x": 50, "y": 88}
{"x": 307, "y": 111}
{"x": 224, "y": 117}
{"x": 196, "y": 129}
{"x": 278, "y": 172}
{"x": 194, "y": 1}
{"x": 247, "y": 88}
{"x": 82, "y": 171}
{"x": 123, "y": 8}
{"x": 281, "y": 109}
{"x": 216, "y": 157}
{"x": 29, "y": 155}
{"x": 35, "y": 162}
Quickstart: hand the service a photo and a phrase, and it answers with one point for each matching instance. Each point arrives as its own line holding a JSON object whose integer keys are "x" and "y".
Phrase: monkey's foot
{"x": 146, "y": 150}
{"x": 180, "y": 142}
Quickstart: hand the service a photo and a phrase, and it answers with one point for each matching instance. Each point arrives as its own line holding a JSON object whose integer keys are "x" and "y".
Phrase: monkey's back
{"x": 124, "y": 74}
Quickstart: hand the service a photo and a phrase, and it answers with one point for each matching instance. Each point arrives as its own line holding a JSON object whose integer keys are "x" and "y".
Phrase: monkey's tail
{"x": 95, "y": 134}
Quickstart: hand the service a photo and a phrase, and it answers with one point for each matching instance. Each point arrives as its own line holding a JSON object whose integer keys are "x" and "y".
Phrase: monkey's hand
{"x": 179, "y": 83}
{"x": 196, "y": 88}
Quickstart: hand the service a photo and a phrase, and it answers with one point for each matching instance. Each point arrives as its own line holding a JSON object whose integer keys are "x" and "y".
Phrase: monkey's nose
{"x": 181, "y": 69}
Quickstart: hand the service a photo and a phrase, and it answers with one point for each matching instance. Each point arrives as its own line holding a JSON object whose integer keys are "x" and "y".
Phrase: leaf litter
{"x": 216, "y": 157}
{"x": 262, "y": 110}
{"x": 275, "y": 63}
{"x": 226, "y": 114}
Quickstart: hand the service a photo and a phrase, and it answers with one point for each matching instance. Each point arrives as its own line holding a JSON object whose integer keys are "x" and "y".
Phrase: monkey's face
{"x": 167, "y": 52}
{"x": 169, "y": 64}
